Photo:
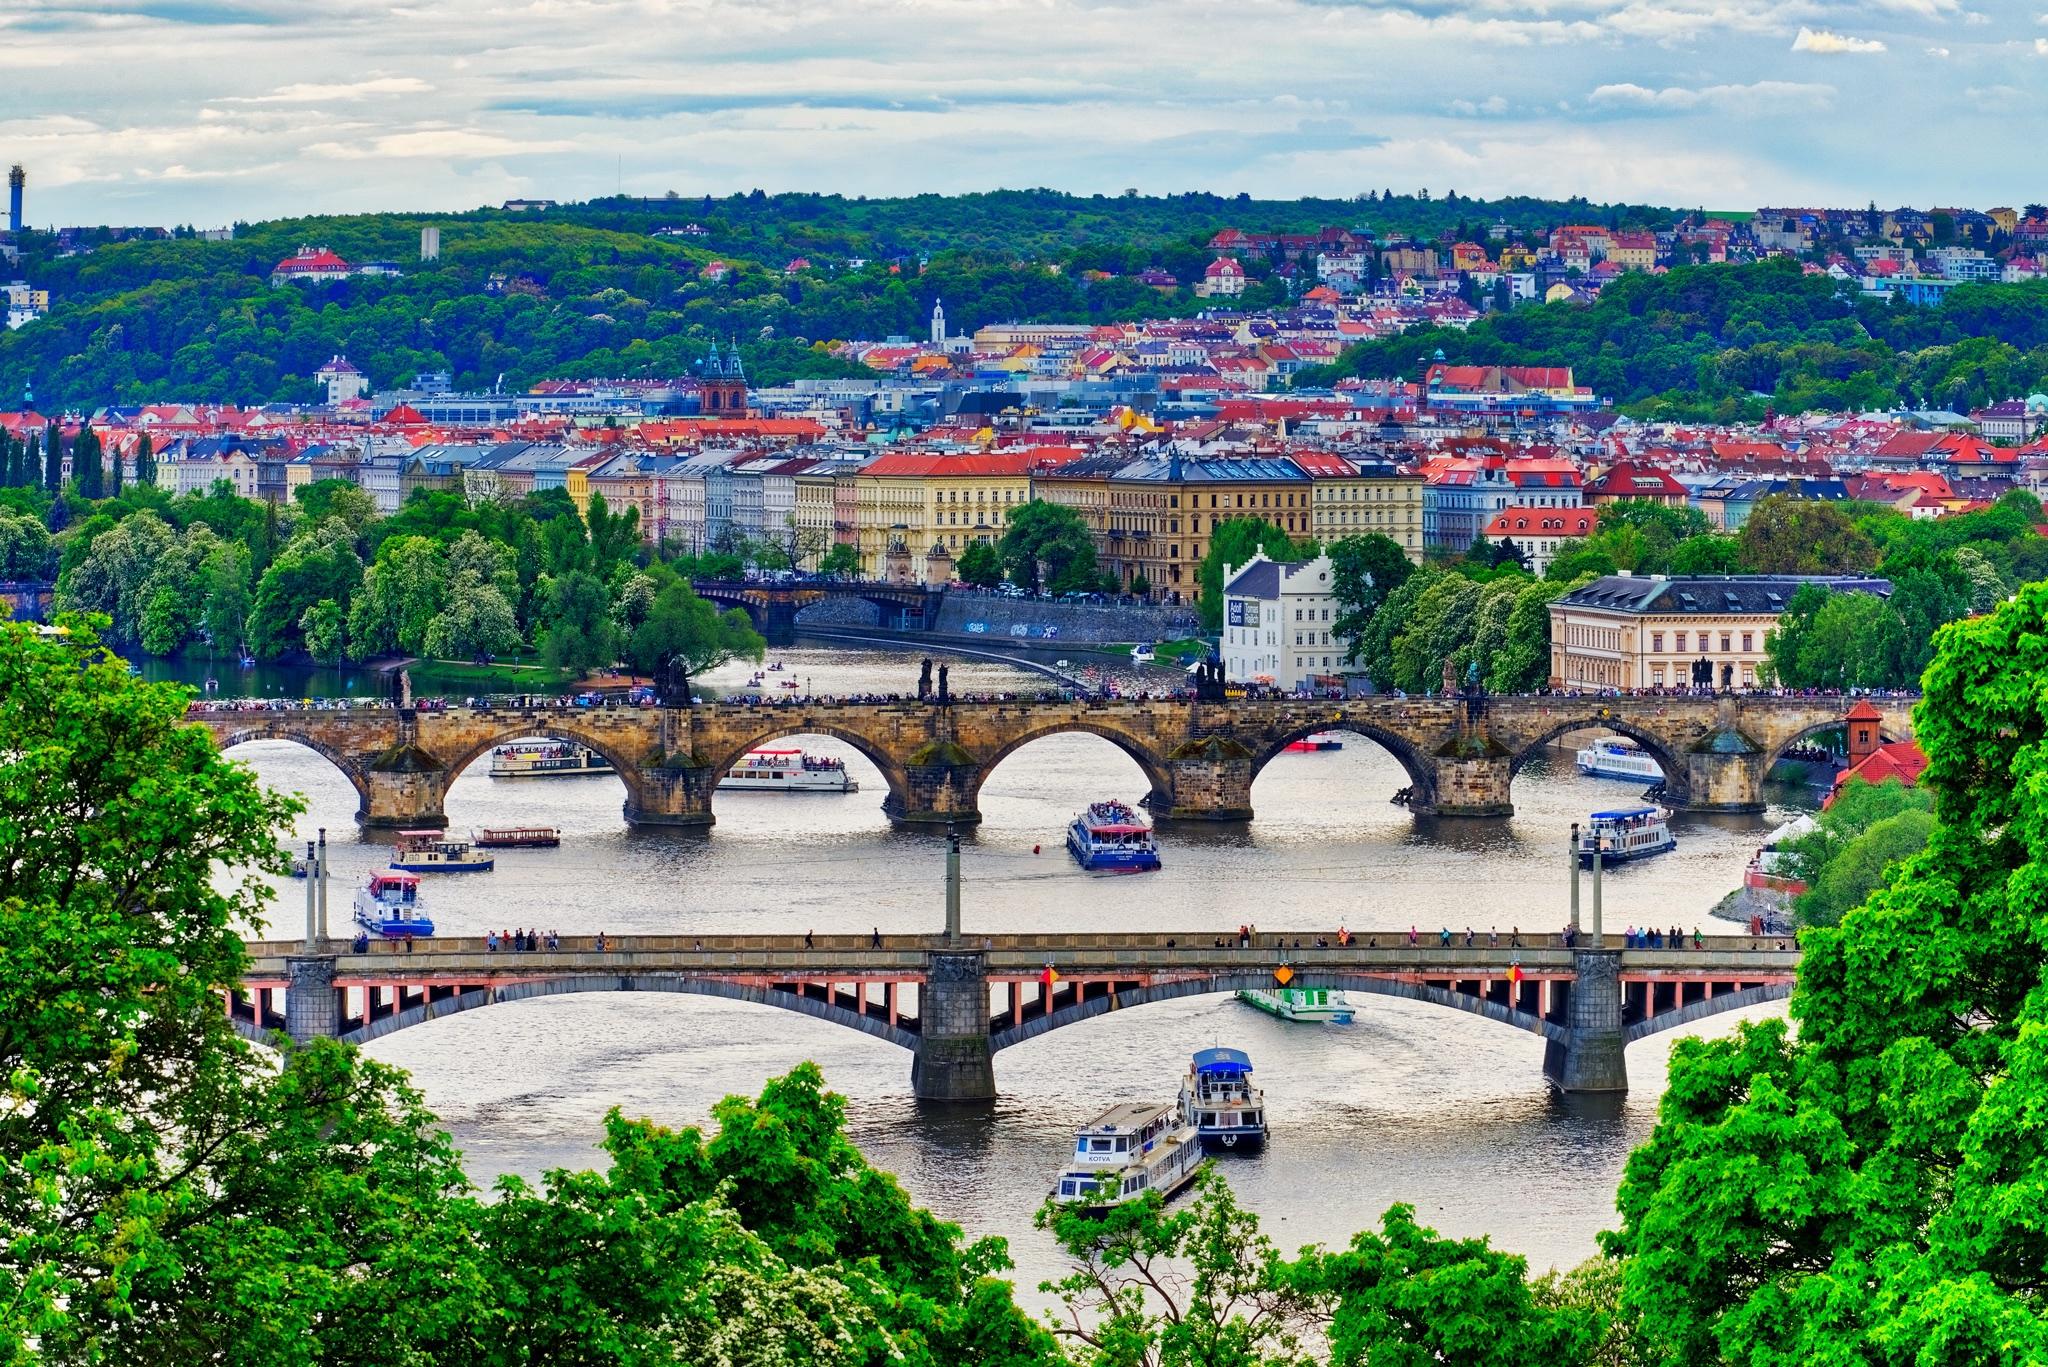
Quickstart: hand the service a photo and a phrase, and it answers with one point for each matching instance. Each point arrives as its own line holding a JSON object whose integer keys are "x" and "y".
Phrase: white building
{"x": 1279, "y": 622}
{"x": 342, "y": 380}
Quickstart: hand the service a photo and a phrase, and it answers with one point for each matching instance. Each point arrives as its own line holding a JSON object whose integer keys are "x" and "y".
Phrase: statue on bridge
{"x": 924, "y": 680}
{"x": 1450, "y": 681}
{"x": 401, "y": 689}
{"x": 1702, "y": 673}
{"x": 1475, "y": 693}
{"x": 672, "y": 681}
{"x": 1209, "y": 685}
{"x": 945, "y": 698}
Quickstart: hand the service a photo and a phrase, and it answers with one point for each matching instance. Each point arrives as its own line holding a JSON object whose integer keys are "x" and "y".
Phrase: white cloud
{"x": 2041, "y": 47}
{"x": 1761, "y": 97}
{"x": 1937, "y": 52}
{"x": 1827, "y": 41}
{"x": 312, "y": 92}
{"x": 1491, "y": 106}
{"x": 447, "y": 144}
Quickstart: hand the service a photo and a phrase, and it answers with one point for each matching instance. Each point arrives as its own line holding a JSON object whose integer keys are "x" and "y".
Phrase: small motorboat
{"x": 775, "y": 667}
{"x": 437, "y": 852}
{"x": 789, "y": 683}
{"x": 1314, "y": 742}
{"x": 389, "y": 906}
{"x": 1143, "y": 655}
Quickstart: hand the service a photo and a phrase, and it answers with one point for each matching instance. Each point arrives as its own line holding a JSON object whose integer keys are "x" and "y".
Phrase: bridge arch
{"x": 1886, "y": 732}
{"x": 541, "y": 726}
{"x": 227, "y": 738}
{"x": 1656, "y": 746}
{"x": 729, "y": 989}
{"x": 1232, "y": 981}
{"x": 805, "y": 723}
{"x": 1141, "y": 752}
{"x": 1708, "y": 1006}
{"x": 1421, "y": 773}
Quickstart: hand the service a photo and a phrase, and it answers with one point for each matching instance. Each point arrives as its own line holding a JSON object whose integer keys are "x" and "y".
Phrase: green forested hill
{"x": 594, "y": 292}
{"x": 1728, "y": 342}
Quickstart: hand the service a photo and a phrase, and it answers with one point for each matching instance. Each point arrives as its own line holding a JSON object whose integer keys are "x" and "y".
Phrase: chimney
{"x": 16, "y": 179}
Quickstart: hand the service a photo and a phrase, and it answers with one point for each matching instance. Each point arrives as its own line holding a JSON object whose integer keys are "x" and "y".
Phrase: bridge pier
{"x": 1591, "y": 1060}
{"x": 669, "y": 795}
{"x": 941, "y": 787}
{"x": 954, "y": 1060}
{"x": 1725, "y": 773}
{"x": 1471, "y": 780}
{"x": 1210, "y": 779}
{"x": 776, "y": 621}
{"x": 312, "y": 1003}
{"x": 403, "y": 799}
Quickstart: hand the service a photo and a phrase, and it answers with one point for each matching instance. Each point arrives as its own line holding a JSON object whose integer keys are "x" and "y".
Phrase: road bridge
{"x": 773, "y": 607}
{"x": 1199, "y": 758}
{"x": 955, "y": 1003}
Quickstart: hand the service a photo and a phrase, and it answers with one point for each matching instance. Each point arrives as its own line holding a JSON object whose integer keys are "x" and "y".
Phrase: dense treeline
{"x": 1727, "y": 343}
{"x": 1865, "y": 1190}
{"x": 329, "y": 579}
{"x": 588, "y": 291}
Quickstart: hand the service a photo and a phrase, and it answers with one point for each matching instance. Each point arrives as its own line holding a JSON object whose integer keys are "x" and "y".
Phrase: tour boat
{"x": 788, "y": 771}
{"x": 546, "y": 759}
{"x": 1626, "y": 833}
{"x": 1110, "y": 835}
{"x": 1312, "y": 1005}
{"x": 1218, "y": 1099}
{"x": 1316, "y": 740}
{"x": 517, "y": 838}
{"x": 436, "y": 852}
{"x": 1126, "y": 1151}
{"x": 1619, "y": 757}
{"x": 389, "y": 906}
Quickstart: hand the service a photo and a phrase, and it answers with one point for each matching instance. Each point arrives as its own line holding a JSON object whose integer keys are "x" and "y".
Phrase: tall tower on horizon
{"x": 938, "y": 323}
{"x": 16, "y": 179}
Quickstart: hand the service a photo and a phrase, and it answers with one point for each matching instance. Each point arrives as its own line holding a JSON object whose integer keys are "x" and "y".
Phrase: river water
{"x": 1443, "y": 1110}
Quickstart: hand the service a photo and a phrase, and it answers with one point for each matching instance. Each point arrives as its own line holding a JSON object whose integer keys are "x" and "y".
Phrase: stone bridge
{"x": 773, "y": 607}
{"x": 956, "y": 1003}
{"x": 1200, "y": 758}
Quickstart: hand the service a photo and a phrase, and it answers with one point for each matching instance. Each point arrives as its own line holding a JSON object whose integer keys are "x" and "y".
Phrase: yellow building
{"x": 1647, "y": 631}
{"x": 1351, "y": 498}
{"x": 925, "y": 500}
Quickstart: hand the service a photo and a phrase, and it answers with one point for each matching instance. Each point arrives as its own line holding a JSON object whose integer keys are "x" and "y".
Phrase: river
{"x": 1443, "y": 1110}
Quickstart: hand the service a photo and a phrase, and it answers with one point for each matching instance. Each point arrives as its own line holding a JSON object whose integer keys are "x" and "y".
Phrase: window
{"x": 1724, "y": 643}
{"x": 1657, "y": 642}
{"x": 1681, "y": 643}
{"x": 1745, "y": 642}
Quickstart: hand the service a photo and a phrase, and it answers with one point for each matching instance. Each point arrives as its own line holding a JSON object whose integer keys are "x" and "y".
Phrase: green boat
{"x": 1317, "y": 1005}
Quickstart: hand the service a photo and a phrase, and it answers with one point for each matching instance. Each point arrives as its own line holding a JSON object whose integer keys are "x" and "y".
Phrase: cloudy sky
{"x": 203, "y": 111}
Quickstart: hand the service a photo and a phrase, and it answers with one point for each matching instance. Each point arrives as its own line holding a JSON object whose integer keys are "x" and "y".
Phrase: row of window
{"x": 1706, "y": 645}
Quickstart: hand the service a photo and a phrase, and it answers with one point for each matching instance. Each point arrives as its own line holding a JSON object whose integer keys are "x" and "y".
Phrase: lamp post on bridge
{"x": 952, "y": 884}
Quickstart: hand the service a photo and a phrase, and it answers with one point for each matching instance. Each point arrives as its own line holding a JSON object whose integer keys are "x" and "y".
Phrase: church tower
{"x": 938, "y": 324}
{"x": 724, "y": 388}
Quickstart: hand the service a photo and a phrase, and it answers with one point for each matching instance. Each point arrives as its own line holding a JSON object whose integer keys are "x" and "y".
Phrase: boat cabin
{"x": 395, "y": 890}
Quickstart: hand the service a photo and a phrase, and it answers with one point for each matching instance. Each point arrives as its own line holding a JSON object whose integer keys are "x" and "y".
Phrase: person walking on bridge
{"x": 809, "y": 943}
{"x": 876, "y": 938}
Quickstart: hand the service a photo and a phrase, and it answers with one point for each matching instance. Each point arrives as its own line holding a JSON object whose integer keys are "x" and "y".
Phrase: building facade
{"x": 1278, "y": 623}
{"x": 1647, "y": 631}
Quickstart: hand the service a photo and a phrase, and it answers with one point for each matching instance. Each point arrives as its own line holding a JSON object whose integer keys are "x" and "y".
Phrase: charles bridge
{"x": 954, "y": 1001}
{"x": 1200, "y": 757}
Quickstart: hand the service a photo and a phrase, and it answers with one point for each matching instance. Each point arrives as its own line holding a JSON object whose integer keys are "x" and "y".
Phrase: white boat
{"x": 1619, "y": 757}
{"x": 1126, "y": 1151}
{"x": 1626, "y": 833}
{"x": 389, "y": 906}
{"x": 546, "y": 759}
{"x": 1316, "y": 741}
{"x": 437, "y": 852}
{"x": 1143, "y": 655}
{"x": 1315, "y": 1005}
{"x": 788, "y": 771}
{"x": 1218, "y": 1099}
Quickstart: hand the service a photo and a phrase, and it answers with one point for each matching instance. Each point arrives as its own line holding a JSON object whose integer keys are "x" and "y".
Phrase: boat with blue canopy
{"x": 388, "y": 906}
{"x": 1626, "y": 833}
{"x": 1217, "y": 1097}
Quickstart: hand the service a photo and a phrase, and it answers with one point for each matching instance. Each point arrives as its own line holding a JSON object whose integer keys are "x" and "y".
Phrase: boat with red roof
{"x": 1110, "y": 835}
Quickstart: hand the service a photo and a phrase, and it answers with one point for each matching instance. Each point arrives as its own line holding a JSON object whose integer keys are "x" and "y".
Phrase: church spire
{"x": 938, "y": 323}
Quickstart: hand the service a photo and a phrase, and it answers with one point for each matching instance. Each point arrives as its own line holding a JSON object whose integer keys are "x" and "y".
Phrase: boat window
{"x": 1122, "y": 1145}
{"x": 1101, "y": 1145}
{"x": 1066, "y": 1188}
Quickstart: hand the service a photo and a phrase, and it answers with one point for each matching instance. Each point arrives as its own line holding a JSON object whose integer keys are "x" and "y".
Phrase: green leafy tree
{"x": 321, "y": 629}
{"x": 581, "y": 636}
{"x": 145, "y": 461}
{"x": 1786, "y": 535}
{"x": 53, "y": 461}
{"x": 25, "y": 548}
{"x": 1047, "y": 545}
{"x": 319, "y": 564}
{"x": 980, "y": 565}
{"x": 1522, "y": 662}
{"x": 1364, "y": 570}
{"x": 114, "y": 574}
{"x": 476, "y": 623}
{"x": 1706, "y": 554}
{"x": 840, "y": 562}
{"x": 680, "y": 625}
{"x": 88, "y": 463}
{"x": 226, "y": 591}
{"x": 1866, "y": 1191}
{"x": 339, "y": 498}
{"x": 400, "y": 596}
